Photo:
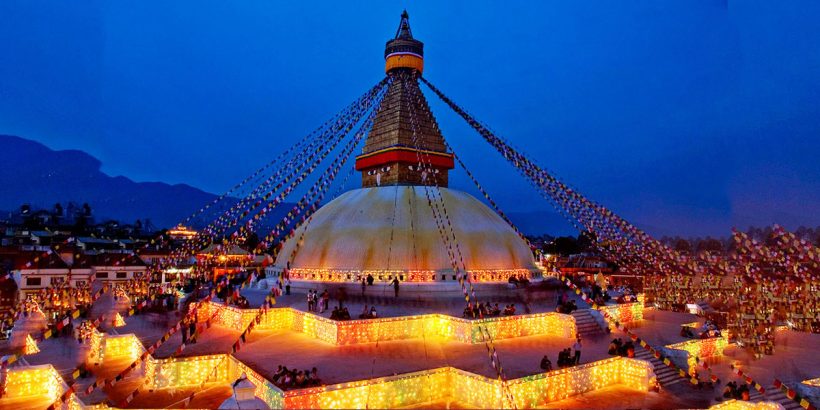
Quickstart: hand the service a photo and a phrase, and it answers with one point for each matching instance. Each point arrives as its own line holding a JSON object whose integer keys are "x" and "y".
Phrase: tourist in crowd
{"x": 564, "y": 359}
{"x": 340, "y": 314}
{"x": 614, "y": 346}
{"x": 292, "y": 378}
{"x": 509, "y": 310}
{"x": 567, "y": 307}
{"x": 370, "y": 280}
{"x": 314, "y": 300}
{"x": 373, "y": 313}
{"x": 546, "y": 364}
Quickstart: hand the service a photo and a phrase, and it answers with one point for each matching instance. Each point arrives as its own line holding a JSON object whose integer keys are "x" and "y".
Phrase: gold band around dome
{"x": 401, "y": 60}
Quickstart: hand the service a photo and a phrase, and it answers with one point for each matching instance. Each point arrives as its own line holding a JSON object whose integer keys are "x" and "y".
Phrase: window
{"x": 33, "y": 281}
{"x": 102, "y": 275}
{"x": 122, "y": 275}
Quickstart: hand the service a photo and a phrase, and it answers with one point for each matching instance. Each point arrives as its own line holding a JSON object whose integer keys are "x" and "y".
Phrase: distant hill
{"x": 35, "y": 174}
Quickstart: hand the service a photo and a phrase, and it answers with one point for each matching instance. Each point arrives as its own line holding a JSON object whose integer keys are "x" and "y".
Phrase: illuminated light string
{"x": 410, "y": 275}
{"x": 410, "y": 388}
{"x": 789, "y": 392}
{"x": 744, "y": 405}
{"x": 472, "y": 390}
{"x": 147, "y": 357}
{"x": 609, "y": 229}
{"x": 436, "y": 203}
{"x": 615, "y": 323}
{"x": 398, "y": 328}
{"x": 147, "y": 352}
{"x": 95, "y": 340}
{"x": 7, "y": 360}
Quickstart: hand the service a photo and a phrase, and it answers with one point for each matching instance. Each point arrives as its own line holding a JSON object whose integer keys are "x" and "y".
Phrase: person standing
{"x": 577, "y": 348}
{"x": 341, "y": 294}
{"x": 364, "y": 286}
{"x": 310, "y": 300}
{"x": 396, "y": 286}
{"x": 325, "y": 301}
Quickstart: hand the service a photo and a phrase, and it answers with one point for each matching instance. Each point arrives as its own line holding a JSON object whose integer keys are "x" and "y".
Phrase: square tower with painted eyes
{"x": 392, "y": 227}
{"x": 405, "y": 146}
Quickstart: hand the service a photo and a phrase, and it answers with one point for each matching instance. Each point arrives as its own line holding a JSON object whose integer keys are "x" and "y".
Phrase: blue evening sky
{"x": 685, "y": 117}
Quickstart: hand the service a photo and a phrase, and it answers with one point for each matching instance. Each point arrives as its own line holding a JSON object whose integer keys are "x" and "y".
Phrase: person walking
{"x": 192, "y": 330}
{"x": 577, "y": 348}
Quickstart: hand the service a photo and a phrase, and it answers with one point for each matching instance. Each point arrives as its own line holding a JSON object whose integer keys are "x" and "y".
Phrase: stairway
{"x": 665, "y": 374}
{"x": 773, "y": 394}
{"x": 586, "y": 323}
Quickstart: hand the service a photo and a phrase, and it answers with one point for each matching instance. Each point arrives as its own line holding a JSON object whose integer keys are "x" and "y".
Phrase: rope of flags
{"x": 321, "y": 186}
{"x": 632, "y": 335}
{"x": 436, "y": 202}
{"x": 792, "y": 394}
{"x": 7, "y": 360}
{"x": 266, "y": 190}
{"x": 75, "y": 375}
{"x": 311, "y": 161}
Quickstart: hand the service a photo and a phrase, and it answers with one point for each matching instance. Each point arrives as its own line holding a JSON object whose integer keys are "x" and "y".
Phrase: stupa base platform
{"x": 421, "y": 289}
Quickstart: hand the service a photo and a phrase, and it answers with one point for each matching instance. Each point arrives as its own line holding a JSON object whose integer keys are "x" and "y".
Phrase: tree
{"x": 251, "y": 241}
{"x": 682, "y": 245}
{"x": 563, "y": 245}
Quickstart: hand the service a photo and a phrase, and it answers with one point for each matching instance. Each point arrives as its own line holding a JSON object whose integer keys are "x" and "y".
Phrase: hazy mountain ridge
{"x": 35, "y": 174}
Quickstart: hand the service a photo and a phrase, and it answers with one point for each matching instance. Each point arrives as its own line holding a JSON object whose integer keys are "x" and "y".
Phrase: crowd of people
{"x": 568, "y": 357}
{"x": 285, "y": 378}
{"x": 733, "y": 391}
{"x": 618, "y": 347}
{"x": 369, "y": 313}
{"x": 340, "y": 313}
{"x": 318, "y": 302}
{"x": 488, "y": 310}
{"x": 516, "y": 281}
